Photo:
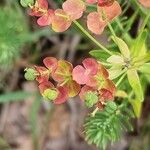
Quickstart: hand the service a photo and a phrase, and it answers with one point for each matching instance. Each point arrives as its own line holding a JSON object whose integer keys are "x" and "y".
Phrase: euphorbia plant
{"x": 100, "y": 82}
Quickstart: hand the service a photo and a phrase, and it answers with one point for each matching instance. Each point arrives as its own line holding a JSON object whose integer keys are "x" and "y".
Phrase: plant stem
{"x": 125, "y": 35}
{"x": 144, "y": 23}
{"x": 92, "y": 38}
{"x": 112, "y": 30}
{"x": 119, "y": 81}
{"x": 95, "y": 111}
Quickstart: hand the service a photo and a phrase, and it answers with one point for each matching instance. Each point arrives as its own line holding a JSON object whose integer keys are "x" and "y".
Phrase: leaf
{"x": 145, "y": 68}
{"x": 14, "y": 96}
{"x": 134, "y": 81}
{"x": 99, "y": 54}
{"x": 107, "y": 125}
{"x": 115, "y": 72}
{"x": 121, "y": 94}
{"x": 137, "y": 107}
{"x": 138, "y": 61}
{"x": 139, "y": 44}
{"x": 33, "y": 120}
{"x": 123, "y": 47}
{"x": 115, "y": 59}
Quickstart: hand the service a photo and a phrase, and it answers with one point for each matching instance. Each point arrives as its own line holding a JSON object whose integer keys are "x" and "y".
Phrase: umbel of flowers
{"x": 58, "y": 81}
{"x": 61, "y": 19}
{"x": 90, "y": 80}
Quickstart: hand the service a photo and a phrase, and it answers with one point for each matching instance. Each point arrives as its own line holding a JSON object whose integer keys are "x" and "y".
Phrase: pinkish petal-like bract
{"x": 79, "y": 74}
{"x": 63, "y": 71}
{"x": 39, "y": 9}
{"x": 46, "y": 19}
{"x": 91, "y": 1}
{"x": 45, "y": 85}
{"x": 112, "y": 11}
{"x": 73, "y": 88}
{"x": 106, "y": 3}
{"x": 83, "y": 75}
{"x": 43, "y": 4}
{"x": 91, "y": 65}
{"x": 50, "y": 63}
{"x": 62, "y": 95}
{"x": 43, "y": 74}
{"x": 145, "y": 3}
{"x": 74, "y": 8}
{"x": 61, "y": 21}
{"x": 106, "y": 95}
{"x": 95, "y": 23}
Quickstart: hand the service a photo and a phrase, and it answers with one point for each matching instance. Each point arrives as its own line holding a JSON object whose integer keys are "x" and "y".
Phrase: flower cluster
{"x": 61, "y": 19}
{"x": 58, "y": 81}
{"x": 97, "y": 87}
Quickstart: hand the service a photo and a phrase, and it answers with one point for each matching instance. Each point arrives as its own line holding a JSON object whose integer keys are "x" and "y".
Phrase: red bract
{"x": 44, "y": 72}
{"x": 110, "y": 12}
{"x": 50, "y": 63}
{"x": 103, "y": 3}
{"x": 58, "y": 95}
{"x": 46, "y": 19}
{"x": 40, "y": 9}
{"x": 63, "y": 75}
{"x": 97, "y": 21}
{"x": 91, "y": 1}
{"x": 96, "y": 76}
{"x": 61, "y": 21}
{"x": 145, "y": 3}
{"x": 72, "y": 10}
{"x": 100, "y": 105}
{"x": 83, "y": 74}
{"x": 102, "y": 81}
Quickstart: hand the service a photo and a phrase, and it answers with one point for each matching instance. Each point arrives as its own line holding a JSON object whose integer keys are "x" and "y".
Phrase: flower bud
{"x": 50, "y": 94}
{"x": 30, "y": 74}
{"x": 91, "y": 98}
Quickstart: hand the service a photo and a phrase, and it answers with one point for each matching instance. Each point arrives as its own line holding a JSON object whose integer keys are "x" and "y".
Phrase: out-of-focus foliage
{"x": 12, "y": 34}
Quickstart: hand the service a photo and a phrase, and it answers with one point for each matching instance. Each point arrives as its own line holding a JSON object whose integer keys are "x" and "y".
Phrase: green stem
{"x": 92, "y": 38}
{"x": 95, "y": 111}
{"x": 144, "y": 23}
{"x": 111, "y": 30}
{"x": 125, "y": 35}
{"x": 120, "y": 80}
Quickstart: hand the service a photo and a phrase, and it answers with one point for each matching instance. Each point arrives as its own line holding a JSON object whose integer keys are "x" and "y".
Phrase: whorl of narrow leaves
{"x": 107, "y": 126}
